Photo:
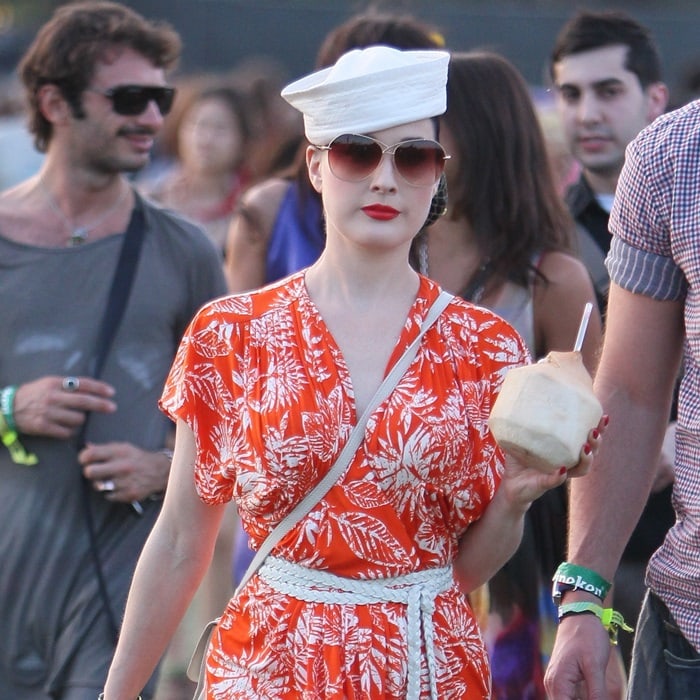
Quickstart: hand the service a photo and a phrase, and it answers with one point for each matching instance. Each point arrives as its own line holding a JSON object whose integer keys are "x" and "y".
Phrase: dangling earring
{"x": 438, "y": 205}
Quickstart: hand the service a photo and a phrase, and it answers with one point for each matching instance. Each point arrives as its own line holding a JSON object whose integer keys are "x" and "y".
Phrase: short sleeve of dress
{"x": 201, "y": 391}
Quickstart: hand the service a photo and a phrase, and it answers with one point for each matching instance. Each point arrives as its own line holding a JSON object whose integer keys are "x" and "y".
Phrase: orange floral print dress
{"x": 261, "y": 382}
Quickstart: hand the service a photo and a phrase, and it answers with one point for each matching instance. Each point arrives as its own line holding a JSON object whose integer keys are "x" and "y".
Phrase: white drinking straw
{"x": 582, "y": 326}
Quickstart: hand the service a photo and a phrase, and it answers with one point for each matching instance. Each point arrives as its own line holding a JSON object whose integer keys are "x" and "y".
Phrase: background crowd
{"x": 522, "y": 231}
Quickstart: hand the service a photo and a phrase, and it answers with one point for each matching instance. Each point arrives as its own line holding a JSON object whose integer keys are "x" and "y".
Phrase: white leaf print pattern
{"x": 370, "y": 540}
{"x": 276, "y": 387}
{"x": 365, "y": 495}
{"x": 326, "y": 427}
{"x": 208, "y": 387}
{"x": 303, "y": 640}
{"x": 235, "y": 304}
{"x": 214, "y": 340}
{"x": 284, "y": 381}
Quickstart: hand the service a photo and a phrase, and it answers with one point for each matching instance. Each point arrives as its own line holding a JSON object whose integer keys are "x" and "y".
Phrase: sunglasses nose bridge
{"x": 152, "y": 107}
{"x": 385, "y": 173}
{"x": 151, "y": 110}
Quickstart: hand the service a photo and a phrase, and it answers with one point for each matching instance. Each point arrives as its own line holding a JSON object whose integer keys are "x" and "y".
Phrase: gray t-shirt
{"x": 52, "y": 624}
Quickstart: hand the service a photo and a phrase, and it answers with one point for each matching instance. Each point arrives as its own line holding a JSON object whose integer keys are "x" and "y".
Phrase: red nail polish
{"x": 586, "y": 449}
{"x": 596, "y": 434}
{"x": 562, "y": 471}
{"x": 606, "y": 420}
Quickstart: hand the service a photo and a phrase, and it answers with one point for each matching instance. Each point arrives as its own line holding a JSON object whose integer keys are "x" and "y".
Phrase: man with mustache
{"x": 83, "y": 457}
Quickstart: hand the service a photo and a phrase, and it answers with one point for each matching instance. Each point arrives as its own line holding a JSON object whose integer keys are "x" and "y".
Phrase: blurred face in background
{"x": 210, "y": 138}
{"x": 603, "y": 106}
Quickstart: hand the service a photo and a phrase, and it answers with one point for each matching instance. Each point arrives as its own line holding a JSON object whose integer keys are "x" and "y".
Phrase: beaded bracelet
{"x": 570, "y": 577}
{"x": 611, "y": 619}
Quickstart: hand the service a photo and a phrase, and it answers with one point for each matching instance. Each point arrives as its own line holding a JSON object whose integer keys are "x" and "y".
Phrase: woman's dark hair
{"x": 503, "y": 184}
{"x": 375, "y": 27}
{"x": 79, "y": 35}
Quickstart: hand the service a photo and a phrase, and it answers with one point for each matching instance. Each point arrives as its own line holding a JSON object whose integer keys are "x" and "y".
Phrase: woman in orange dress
{"x": 364, "y": 596}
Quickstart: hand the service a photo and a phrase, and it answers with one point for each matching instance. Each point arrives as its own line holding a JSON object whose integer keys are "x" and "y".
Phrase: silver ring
{"x": 106, "y": 486}
{"x": 70, "y": 383}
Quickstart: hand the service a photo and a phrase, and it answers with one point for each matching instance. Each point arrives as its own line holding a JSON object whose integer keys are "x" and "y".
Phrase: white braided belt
{"x": 416, "y": 590}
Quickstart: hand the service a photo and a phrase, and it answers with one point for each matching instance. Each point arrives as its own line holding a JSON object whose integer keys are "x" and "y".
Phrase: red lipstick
{"x": 380, "y": 212}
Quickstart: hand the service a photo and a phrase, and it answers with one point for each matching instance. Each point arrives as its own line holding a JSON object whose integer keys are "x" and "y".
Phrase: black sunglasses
{"x": 131, "y": 100}
{"x": 354, "y": 157}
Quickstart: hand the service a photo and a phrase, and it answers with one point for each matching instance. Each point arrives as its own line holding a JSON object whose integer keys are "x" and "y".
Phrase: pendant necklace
{"x": 79, "y": 234}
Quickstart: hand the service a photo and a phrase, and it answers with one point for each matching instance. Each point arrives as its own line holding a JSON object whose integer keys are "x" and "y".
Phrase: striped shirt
{"x": 655, "y": 251}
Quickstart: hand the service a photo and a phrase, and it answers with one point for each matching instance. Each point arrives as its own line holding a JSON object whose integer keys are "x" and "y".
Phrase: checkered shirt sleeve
{"x": 655, "y": 251}
{"x": 647, "y": 256}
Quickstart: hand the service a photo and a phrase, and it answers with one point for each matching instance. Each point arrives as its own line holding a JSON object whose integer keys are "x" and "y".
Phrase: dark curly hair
{"x": 79, "y": 35}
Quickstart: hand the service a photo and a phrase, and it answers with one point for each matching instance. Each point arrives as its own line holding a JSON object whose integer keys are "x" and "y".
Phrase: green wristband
{"x": 570, "y": 577}
{"x": 10, "y": 439}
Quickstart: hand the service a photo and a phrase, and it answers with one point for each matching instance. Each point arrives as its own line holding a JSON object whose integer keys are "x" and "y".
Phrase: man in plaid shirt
{"x": 653, "y": 326}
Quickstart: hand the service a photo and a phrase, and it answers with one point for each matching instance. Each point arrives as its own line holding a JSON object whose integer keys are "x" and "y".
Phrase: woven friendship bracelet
{"x": 611, "y": 619}
{"x": 570, "y": 577}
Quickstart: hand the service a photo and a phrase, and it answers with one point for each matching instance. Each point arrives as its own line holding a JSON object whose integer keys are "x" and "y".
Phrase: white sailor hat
{"x": 370, "y": 89}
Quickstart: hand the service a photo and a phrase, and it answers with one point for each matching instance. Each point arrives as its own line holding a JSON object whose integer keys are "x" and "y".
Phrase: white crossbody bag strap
{"x": 354, "y": 441}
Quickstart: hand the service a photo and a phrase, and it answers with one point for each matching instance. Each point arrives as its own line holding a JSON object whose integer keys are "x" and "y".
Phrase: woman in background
{"x": 504, "y": 242}
{"x": 210, "y": 173}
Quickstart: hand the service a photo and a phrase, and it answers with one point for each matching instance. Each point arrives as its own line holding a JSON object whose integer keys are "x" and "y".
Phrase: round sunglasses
{"x": 354, "y": 157}
{"x": 131, "y": 100}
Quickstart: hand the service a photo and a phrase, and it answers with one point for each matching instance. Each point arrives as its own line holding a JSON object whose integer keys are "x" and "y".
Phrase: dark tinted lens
{"x": 419, "y": 162}
{"x": 354, "y": 158}
{"x": 164, "y": 99}
{"x": 130, "y": 100}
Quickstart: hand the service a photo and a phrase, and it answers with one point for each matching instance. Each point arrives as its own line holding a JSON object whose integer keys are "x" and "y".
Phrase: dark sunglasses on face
{"x": 353, "y": 157}
{"x": 131, "y": 100}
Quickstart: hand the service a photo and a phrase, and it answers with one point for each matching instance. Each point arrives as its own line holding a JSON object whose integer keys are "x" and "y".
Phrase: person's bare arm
{"x": 249, "y": 235}
{"x": 634, "y": 382}
{"x": 172, "y": 564}
{"x": 559, "y": 304}
{"x": 490, "y": 542}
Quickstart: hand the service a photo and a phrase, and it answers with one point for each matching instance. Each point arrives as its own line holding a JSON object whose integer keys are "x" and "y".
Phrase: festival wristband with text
{"x": 570, "y": 577}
